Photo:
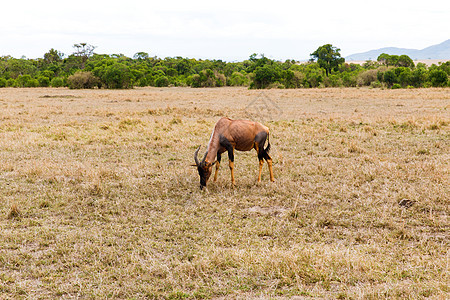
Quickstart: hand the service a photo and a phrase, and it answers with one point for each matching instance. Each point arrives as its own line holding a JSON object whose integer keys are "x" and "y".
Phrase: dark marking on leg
{"x": 219, "y": 157}
{"x": 224, "y": 142}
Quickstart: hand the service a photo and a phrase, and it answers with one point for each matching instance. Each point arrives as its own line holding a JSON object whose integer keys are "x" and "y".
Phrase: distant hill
{"x": 440, "y": 51}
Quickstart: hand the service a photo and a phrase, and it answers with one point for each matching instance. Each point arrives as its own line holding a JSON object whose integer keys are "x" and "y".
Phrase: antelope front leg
{"x": 219, "y": 158}
{"x": 227, "y": 145}
{"x": 217, "y": 171}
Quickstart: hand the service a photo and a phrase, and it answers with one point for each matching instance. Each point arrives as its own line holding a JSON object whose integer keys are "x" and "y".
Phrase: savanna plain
{"x": 98, "y": 198}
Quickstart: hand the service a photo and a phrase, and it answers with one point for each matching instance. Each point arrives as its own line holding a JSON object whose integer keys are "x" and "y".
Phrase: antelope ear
{"x": 193, "y": 165}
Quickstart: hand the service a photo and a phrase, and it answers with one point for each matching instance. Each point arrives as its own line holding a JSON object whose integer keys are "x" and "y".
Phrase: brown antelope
{"x": 228, "y": 135}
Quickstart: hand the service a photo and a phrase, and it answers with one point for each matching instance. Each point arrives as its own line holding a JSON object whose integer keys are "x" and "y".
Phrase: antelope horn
{"x": 195, "y": 156}
{"x": 204, "y": 157}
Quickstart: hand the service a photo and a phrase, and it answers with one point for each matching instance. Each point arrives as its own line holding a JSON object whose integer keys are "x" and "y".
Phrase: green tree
{"x": 384, "y": 59}
{"x": 15, "y": 67}
{"x": 53, "y": 56}
{"x": 256, "y": 62}
{"x": 141, "y": 56}
{"x": 83, "y": 51}
{"x": 183, "y": 66}
{"x": 265, "y": 75}
{"x": 57, "y": 82}
{"x": 405, "y": 61}
{"x": 117, "y": 76}
{"x": 388, "y": 60}
{"x": 419, "y": 76}
{"x": 328, "y": 58}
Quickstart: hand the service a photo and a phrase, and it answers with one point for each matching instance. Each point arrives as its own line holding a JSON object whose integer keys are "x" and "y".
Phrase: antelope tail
{"x": 268, "y": 145}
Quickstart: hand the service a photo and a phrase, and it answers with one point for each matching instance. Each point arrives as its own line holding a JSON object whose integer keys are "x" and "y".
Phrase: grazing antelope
{"x": 228, "y": 135}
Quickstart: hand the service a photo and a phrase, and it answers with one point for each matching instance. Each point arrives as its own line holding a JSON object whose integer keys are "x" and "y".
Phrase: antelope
{"x": 228, "y": 135}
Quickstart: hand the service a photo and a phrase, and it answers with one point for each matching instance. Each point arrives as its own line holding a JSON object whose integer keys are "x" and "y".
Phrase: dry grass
{"x": 97, "y": 199}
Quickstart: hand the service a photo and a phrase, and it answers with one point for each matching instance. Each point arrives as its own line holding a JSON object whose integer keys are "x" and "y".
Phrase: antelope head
{"x": 204, "y": 168}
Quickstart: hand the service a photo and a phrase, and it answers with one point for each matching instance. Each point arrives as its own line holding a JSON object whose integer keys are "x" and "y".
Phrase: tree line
{"x": 86, "y": 69}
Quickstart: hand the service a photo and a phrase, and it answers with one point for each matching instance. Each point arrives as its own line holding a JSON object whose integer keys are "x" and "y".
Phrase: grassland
{"x": 98, "y": 198}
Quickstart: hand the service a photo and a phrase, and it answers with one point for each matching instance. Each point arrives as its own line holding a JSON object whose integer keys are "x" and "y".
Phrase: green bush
{"x": 57, "y": 82}
{"x": 32, "y": 83}
{"x": 117, "y": 76}
{"x": 162, "y": 81}
{"x": 396, "y": 86}
{"x": 349, "y": 79}
{"x": 143, "y": 81}
{"x": 221, "y": 80}
{"x": 207, "y": 78}
{"x": 43, "y": 81}
{"x": 313, "y": 75}
{"x": 237, "y": 79}
{"x": 3, "y": 82}
{"x": 403, "y": 76}
{"x": 376, "y": 84}
{"x": 390, "y": 77}
{"x": 298, "y": 80}
{"x": 82, "y": 80}
{"x": 367, "y": 77}
{"x": 22, "y": 80}
{"x": 266, "y": 75}
{"x": 438, "y": 78}
{"x": 11, "y": 82}
{"x": 333, "y": 81}
{"x": 419, "y": 76}
{"x": 195, "y": 81}
{"x": 276, "y": 85}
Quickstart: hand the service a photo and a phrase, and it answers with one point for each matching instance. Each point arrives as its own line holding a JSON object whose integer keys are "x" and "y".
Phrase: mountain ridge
{"x": 438, "y": 51}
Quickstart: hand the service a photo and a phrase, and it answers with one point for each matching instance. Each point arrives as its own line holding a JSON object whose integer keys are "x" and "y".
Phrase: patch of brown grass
{"x": 14, "y": 212}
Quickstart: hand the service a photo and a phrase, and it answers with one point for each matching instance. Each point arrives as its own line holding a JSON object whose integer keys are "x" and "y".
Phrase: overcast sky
{"x": 228, "y": 30}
